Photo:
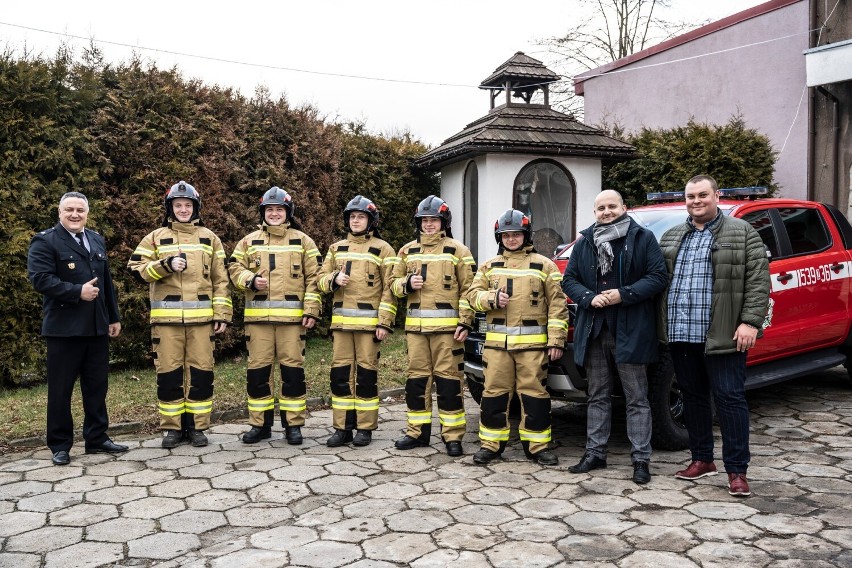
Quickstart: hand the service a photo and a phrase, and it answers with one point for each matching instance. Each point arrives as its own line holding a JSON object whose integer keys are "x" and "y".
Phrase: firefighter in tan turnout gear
{"x": 277, "y": 267}
{"x": 357, "y": 270}
{"x": 527, "y": 320}
{"x": 184, "y": 264}
{"x": 433, "y": 273}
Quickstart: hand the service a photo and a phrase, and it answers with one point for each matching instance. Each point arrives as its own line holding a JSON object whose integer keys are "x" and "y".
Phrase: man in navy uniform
{"x": 68, "y": 265}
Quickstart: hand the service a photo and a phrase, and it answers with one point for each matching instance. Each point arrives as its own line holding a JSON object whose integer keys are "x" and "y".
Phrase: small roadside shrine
{"x": 522, "y": 154}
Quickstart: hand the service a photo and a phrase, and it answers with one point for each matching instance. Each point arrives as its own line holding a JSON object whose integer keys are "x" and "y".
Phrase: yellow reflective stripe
{"x": 452, "y": 419}
{"x": 525, "y": 339}
{"x": 556, "y": 276}
{"x": 167, "y": 409}
{"x": 375, "y": 259}
{"x": 346, "y": 320}
{"x": 220, "y": 254}
{"x": 338, "y": 403}
{"x": 559, "y": 324}
{"x": 292, "y": 405}
{"x": 464, "y": 304}
{"x": 261, "y": 404}
{"x": 369, "y": 404}
{"x": 152, "y": 272}
{"x": 280, "y": 312}
{"x": 387, "y": 307}
{"x": 203, "y": 407}
{"x": 489, "y": 435}
{"x": 222, "y": 301}
{"x": 275, "y": 248}
{"x": 494, "y": 336}
{"x": 312, "y": 296}
{"x": 238, "y": 255}
{"x": 178, "y": 312}
{"x": 468, "y": 260}
{"x": 517, "y": 273}
{"x": 427, "y": 258}
{"x": 530, "y": 436}
{"x": 142, "y": 251}
{"x": 312, "y": 252}
{"x": 185, "y": 248}
{"x": 477, "y": 302}
{"x": 391, "y": 260}
{"x": 419, "y": 416}
{"x": 431, "y": 322}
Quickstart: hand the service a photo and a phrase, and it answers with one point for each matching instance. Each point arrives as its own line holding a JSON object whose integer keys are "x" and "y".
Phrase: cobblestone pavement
{"x": 271, "y": 504}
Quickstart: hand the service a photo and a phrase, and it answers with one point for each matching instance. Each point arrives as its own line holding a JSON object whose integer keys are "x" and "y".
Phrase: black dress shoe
{"x": 545, "y": 457}
{"x": 641, "y": 475}
{"x": 339, "y": 438}
{"x": 256, "y": 434}
{"x": 108, "y": 447}
{"x": 454, "y": 449}
{"x": 587, "y": 464}
{"x": 293, "y": 435}
{"x": 409, "y": 443}
{"x": 172, "y": 438}
{"x": 484, "y": 456}
{"x": 61, "y": 458}
{"x": 197, "y": 438}
{"x": 362, "y": 438}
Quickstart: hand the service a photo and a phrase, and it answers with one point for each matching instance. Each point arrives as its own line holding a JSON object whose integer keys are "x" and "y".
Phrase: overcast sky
{"x": 451, "y": 44}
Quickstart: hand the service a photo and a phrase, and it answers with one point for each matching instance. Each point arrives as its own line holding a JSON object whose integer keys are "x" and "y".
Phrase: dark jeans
{"x": 68, "y": 358}
{"x": 699, "y": 375}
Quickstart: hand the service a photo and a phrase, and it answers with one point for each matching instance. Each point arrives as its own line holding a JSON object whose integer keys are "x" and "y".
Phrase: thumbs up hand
{"x": 90, "y": 290}
{"x": 502, "y": 298}
{"x": 260, "y": 281}
{"x": 416, "y": 281}
{"x": 342, "y": 279}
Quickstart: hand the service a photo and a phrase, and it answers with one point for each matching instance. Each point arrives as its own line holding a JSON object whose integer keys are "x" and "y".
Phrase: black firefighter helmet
{"x": 366, "y": 206}
{"x": 434, "y": 206}
{"x": 513, "y": 220}
{"x": 181, "y": 190}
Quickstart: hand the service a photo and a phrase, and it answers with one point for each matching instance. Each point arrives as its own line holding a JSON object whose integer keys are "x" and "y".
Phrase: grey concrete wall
{"x": 763, "y": 82}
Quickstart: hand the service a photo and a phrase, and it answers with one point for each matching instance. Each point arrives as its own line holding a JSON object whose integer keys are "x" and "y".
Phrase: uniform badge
{"x": 71, "y": 266}
{"x": 257, "y": 262}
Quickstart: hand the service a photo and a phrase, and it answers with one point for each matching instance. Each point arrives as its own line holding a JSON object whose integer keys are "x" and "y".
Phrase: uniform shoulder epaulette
{"x": 47, "y": 231}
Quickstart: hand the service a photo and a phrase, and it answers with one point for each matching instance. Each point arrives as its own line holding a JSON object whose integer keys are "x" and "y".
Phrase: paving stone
{"x": 495, "y": 495}
{"x": 404, "y": 464}
{"x": 44, "y": 539}
{"x": 444, "y": 558}
{"x": 460, "y": 470}
{"x": 283, "y": 538}
{"x": 23, "y": 489}
{"x": 195, "y": 522}
{"x": 145, "y": 477}
{"x": 152, "y": 508}
{"x": 359, "y": 468}
{"x": 162, "y": 546}
{"x": 47, "y": 502}
{"x": 84, "y": 555}
{"x": 598, "y": 523}
{"x": 786, "y": 523}
{"x": 13, "y": 560}
{"x": 143, "y": 454}
{"x": 83, "y": 484}
{"x": 298, "y": 472}
{"x": 803, "y": 546}
{"x": 544, "y": 508}
{"x": 228, "y": 457}
{"x": 592, "y": 547}
{"x": 173, "y": 462}
{"x": 282, "y": 492}
{"x": 394, "y": 490}
{"x": 278, "y": 453}
{"x": 12, "y": 477}
{"x": 728, "y": 553}
{"x": 206, "y": 470}
{"x": 216, "y": 500}
{"x": 337, "y": 485}
{"x": 239, "y": 480}
{"x": 663, "y": 518}
{"x": 604, "y": 503}
{"x": 437, "y": 501}
{"x": 116, "y": 495}
{"x": 419, "y": 478}
{"x": 452, "y": 485}
{"x": 398, "y": 547}
{"x": 52, "y": 474}
{"x": 656, "y": 559}
{"x": 251, "y": 557}
{"x": 121, "y": 530}
{"x": 506, "y": 479}
{"x": 179, "y": 488}
{"x": 353, "y": 530}
{"x": 419, "y": 521}
{"x": 661, "y": 539}
{"x": 257, "y": 515}
{"x": 258, "y": 464}
{"x": 26, "y": 464}
{"x": 535, "y": 530}
{"x": 319, "y": 460}
{"x": 843, "y": 537}
{"x": 531, "y": 555}
{"x": 320, "y": 516}
{"x": 484, "y": 515}
{"x": 469, "y": 537}
{"x": 224, "y": 547}
{"x": 114, "y": 468}
{"x": 378, "y": 508}
{"x": 325, "y": 554}
{"x": 719, "y": 510}
{"x": 83, "y": 515}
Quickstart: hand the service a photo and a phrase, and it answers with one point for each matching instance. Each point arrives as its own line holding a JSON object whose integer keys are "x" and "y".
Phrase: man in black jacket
{"x": 68, "y": 265}
{"x": 615, "y": 272}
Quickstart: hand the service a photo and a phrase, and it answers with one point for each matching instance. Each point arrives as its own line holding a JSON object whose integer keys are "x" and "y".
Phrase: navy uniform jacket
{"x": 58, "y": 266}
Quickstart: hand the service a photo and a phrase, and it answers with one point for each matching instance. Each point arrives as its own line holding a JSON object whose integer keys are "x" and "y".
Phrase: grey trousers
{"x": 601, "y": 368}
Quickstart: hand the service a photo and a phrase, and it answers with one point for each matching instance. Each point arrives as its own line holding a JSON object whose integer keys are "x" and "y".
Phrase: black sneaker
{"x": 197, "y": 438}
{"x": 172, "y": 438}
{"x": 484, "y": 456}
{"x": 363, "y": 438}
{"x": 339, "y": 438}
{"x": 293, "y": 434}
{"x": 256, "y": 434}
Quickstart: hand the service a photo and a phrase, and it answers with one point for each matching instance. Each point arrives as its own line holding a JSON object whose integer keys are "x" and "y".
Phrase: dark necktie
{"x": 79, "y": 237}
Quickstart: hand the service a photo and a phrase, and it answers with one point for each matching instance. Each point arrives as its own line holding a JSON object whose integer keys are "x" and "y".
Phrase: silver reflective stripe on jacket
{"x": 517, "y": 330}
{"x": 173, "y": 305}
{"x": 417, "y": 313}
{"x": 274, "y": 304}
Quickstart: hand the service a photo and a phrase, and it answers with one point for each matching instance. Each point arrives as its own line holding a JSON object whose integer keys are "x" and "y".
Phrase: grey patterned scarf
{"x": 606, "y": 233}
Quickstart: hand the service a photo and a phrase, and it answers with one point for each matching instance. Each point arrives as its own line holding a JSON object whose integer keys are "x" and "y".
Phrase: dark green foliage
{"x": 733, "y": 154}
{"x": 124, "y": 134}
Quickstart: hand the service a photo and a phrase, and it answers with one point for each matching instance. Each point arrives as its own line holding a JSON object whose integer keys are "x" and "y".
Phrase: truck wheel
{"x": 666, "y": 402}
{"x": 475, "y": 388}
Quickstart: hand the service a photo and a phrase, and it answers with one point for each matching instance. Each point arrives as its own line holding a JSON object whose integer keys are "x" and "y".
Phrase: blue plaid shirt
{"x": 691, "y": 290}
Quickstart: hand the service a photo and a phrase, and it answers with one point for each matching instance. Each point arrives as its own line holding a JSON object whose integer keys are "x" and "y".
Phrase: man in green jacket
{"x": 713, "y": 313}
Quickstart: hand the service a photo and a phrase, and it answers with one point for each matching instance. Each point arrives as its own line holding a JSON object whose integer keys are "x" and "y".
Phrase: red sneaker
{"x": 738, "y": 485}
{"x": 697, "y": 470}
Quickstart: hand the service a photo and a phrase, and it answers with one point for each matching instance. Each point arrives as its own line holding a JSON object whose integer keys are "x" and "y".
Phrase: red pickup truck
{"x": 807, "y": 326}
